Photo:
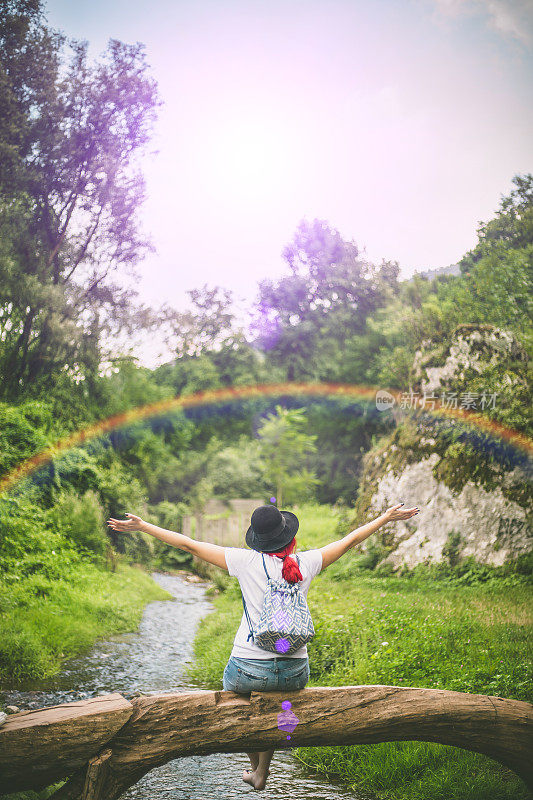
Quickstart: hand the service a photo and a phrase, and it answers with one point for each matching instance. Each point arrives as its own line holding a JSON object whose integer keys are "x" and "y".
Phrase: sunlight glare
{"x": 249, "y": 157}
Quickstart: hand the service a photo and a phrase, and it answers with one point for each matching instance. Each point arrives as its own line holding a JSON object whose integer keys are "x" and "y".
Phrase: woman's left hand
{"x": 126, "y": 525}
{"x": 398, "y": 512}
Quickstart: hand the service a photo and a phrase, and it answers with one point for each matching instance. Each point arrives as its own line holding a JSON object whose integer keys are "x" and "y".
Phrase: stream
{"x": 152, "y": 660}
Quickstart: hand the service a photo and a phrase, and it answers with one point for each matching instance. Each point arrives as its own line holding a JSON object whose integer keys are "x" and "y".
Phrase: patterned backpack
{"x": 285, "y": 623}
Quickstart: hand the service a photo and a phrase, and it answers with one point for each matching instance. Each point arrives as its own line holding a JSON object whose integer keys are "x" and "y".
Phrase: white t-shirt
{"x": 247, "y": 566}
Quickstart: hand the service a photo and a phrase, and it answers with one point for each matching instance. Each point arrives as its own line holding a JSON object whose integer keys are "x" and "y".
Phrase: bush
{"x": 24, "y": 431}
{"x": 372, "y": 555}
{"x": 119, "y": 491}
{"x": 385, "y": 570}
{"x": 81, "y": 519}
{"x": 76, "y": 470}
{"x": 170, "y": 516}
{"x": 452, "y": 549}
{"x": 28, "y": 545}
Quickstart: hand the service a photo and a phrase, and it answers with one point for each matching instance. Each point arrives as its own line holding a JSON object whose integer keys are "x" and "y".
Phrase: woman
{"x": 272, "y": 533}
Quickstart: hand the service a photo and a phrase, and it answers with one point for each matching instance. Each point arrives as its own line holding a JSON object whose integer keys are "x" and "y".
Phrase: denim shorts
{"x": 265, "y": 674}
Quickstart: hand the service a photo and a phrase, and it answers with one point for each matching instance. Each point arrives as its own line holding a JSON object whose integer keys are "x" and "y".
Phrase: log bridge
{"x": 106, "y": 744}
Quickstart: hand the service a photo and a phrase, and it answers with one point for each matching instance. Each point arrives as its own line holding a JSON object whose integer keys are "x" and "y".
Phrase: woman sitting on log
{"x": 251, "y": 665}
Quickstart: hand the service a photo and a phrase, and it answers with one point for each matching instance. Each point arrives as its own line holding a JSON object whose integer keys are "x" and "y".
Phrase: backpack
{"x": 285, "y": 623}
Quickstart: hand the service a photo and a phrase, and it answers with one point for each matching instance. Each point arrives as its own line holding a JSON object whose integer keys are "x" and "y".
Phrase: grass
{"x": 410, "y": 631}
{"x": 44, "y": 621}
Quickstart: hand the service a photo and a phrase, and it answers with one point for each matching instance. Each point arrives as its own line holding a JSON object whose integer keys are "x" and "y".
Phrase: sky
{"x": 400, "y": 122}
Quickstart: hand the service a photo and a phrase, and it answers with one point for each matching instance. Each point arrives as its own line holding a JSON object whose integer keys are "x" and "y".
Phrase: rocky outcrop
{"x": 472, "y": 348}
{"x": 472, "y": 501}
{"x": 450, "y": 526}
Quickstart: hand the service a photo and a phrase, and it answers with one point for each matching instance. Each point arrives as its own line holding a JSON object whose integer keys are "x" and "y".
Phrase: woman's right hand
{"x": 398, "y": 512}
{"x": 126, "y": 525}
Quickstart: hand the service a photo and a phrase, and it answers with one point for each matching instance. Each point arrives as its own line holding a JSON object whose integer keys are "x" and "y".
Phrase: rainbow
{"x": 361, "y": 393}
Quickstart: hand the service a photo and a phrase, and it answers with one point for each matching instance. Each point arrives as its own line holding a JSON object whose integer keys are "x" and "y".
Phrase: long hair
{"x": 290, "y": 570}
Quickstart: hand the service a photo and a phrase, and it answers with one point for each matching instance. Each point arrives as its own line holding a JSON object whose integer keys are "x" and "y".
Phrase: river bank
{"x": 45, "y": 622}
{"x": 399, "y": 631}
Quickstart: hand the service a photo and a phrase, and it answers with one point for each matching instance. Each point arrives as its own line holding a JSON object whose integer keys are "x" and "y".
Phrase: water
{"x": 153, "y": 660}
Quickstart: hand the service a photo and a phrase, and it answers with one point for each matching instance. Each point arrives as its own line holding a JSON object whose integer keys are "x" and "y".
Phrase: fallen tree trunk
{"x": 169, "y": 726}
{"x": 95, "y": 776}
{"x": 41, "y": 746}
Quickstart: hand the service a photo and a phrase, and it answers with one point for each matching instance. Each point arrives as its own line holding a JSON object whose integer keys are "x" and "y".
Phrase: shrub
{"x": 372, "y": 555}
{"x": 452, "y": 549}
{"x": 24, "y": 431}
{"x": 385, "y": 570}
{"x": 27, "y": 545}
{"x": 81, "y": 519}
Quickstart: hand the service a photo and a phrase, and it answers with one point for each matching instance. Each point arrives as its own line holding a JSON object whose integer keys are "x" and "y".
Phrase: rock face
{"x": 471, "y": 501}
{"x": 477, "y": 523}
{"x": 473, "y": 347}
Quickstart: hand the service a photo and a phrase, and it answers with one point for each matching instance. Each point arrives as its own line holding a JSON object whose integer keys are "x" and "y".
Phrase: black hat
{"x": 271, "y": 529}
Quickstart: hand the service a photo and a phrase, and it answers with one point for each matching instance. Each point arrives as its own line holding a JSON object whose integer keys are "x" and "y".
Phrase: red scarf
{"x": 290, "y": 570}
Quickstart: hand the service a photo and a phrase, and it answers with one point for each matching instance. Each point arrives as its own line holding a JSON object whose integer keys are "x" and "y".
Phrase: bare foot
{"x": 255, "y": 779}
{"x": 261, "y": 779}
{"x": 247, "y": 777}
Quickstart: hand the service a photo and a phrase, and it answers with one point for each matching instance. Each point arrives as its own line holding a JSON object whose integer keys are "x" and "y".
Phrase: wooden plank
{"x": 40, "y": 746}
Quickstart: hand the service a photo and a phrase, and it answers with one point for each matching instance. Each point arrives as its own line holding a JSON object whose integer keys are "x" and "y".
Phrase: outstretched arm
{"x": 331, "y": 552}
{"x": 212, "y": 553}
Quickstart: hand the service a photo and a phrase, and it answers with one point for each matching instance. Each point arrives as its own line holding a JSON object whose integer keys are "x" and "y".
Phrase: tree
{"x": 285, "y": 448}
{"x": 212, "y": 351}
{"x": 512, "y": 227}
{"x": 205, "y": 325}
{"x": 70, "y": 193}
{"x": 303, "y": 319}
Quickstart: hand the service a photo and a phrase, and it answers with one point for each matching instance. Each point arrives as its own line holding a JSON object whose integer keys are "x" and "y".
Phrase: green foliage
{"x": 452, "y": 549}
{"x": 43, "y": 794}
{"x": 371, "y": 556}
{"x": 70, "y": 195}
{"x": 131, "y": 386}
{"x": 169, "y": 516}
{"x": 81, "y": 519}
{"x": 24, "y": 431}
{"x": 118, "y": 489}
{"x": 29, "y": 544}
{"x": 496, "y": 287}
{"x": 512, "y": 227}
{"x": 285, "y": 448}
{"x": 238, "y": 471}
{"x": 343, "y": 432}
{"x": 414, "y": 771}
{"x": 303, "y": 319}
{"x": 76, "y": 469}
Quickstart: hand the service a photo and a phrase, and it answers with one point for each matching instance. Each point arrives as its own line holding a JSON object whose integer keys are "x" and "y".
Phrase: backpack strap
{"x": 264, "y": 566}
{"x": 251, "y": 634}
